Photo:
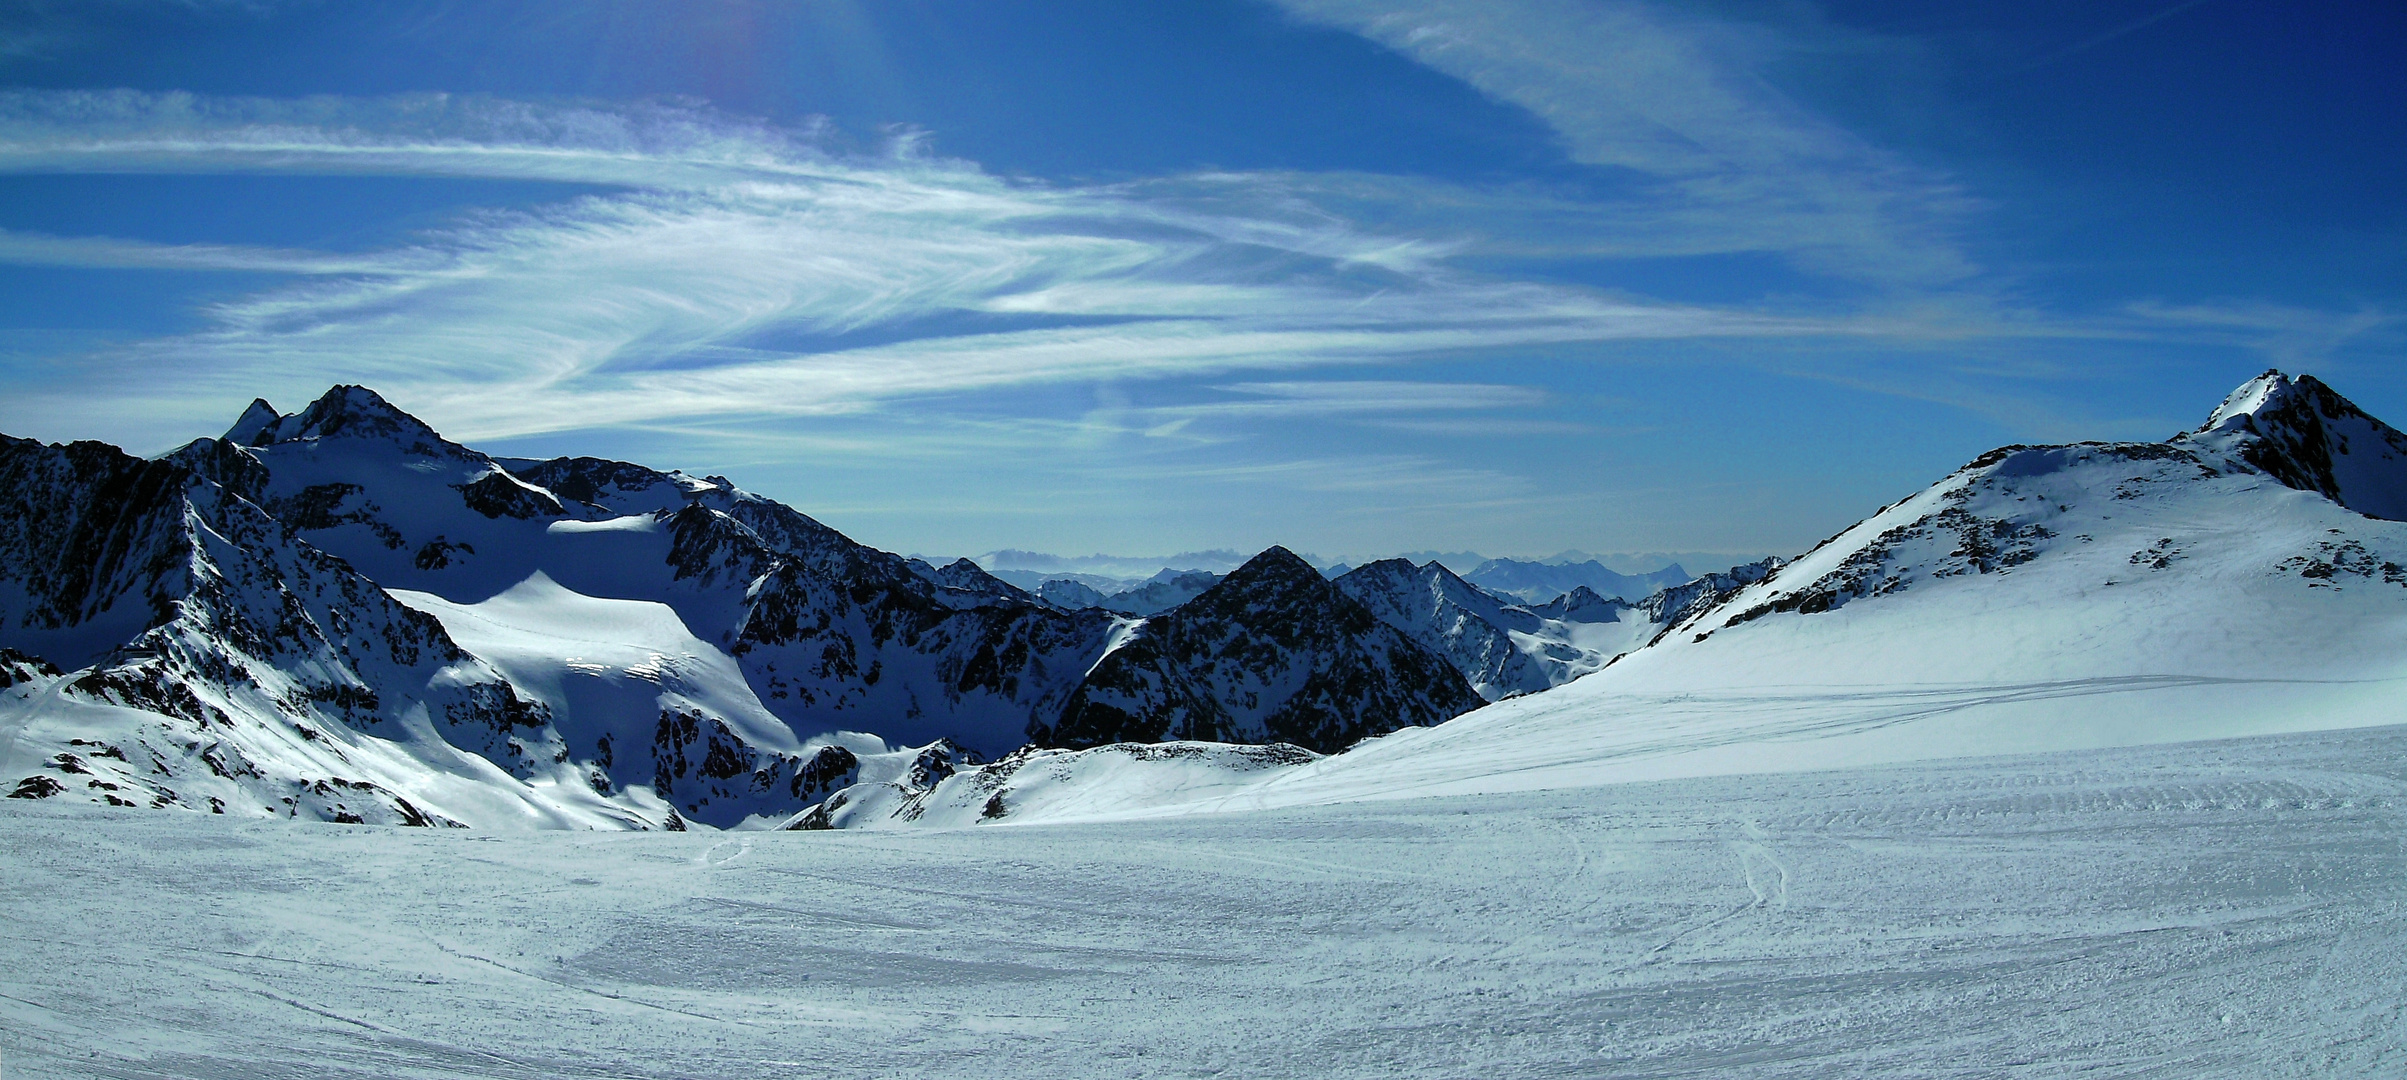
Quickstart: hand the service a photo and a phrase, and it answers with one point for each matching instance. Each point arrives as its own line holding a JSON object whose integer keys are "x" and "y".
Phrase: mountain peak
{"x": 2256, "y": 395}
{"x": 255, "y": 421}
{"x": 2304, "y": 434}
{"x": 350, "y": 412}
{"x": 1274, "y": 562}
{"x": 1276, "y": 578}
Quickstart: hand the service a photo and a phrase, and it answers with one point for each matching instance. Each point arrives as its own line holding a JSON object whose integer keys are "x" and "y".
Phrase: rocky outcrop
{"x": 1273, "y": 653}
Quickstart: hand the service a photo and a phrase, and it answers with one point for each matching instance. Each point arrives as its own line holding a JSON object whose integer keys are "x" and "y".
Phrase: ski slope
{"x": 2224, "y": 909}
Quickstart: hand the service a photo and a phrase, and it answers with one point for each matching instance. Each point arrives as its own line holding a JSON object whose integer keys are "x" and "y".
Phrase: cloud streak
{"x": 1677, "y": 101}
{"x": 105, "y": 253}
{"x": 724, "y": 267}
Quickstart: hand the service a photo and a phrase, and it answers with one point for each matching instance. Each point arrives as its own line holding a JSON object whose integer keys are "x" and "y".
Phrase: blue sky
{"x": 1354, "y": 276}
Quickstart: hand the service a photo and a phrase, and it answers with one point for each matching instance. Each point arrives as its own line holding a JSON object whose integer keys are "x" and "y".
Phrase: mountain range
{"x": 339, "y": 614}
{"x": 2242, "y": 578}
{"x": 1539, "y": 582}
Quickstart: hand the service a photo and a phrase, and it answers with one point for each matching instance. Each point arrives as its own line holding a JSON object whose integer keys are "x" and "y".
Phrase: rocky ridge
{"x": 376, "y": 622}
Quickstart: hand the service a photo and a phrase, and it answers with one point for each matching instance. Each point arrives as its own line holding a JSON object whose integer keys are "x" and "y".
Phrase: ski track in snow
{"x": 2233, "y": 908}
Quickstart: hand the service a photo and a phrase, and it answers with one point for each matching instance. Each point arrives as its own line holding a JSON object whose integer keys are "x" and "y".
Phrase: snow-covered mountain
{"x": 1538, "y": 582}
{"x": 2243, "y": 578}
{"x": 1466, "y": 625}
{"x": 1155, "y": 595}
{"x": 1507, "y": 648}
{"x": 1502, "y": 649}
{"x": 192, "y": 654}
{"x": 1161, "y": 592}
{"x": 1272, "y": 653}
{"x": 1069, "y": 594}
{"x": 1109, "y": 573}
{"x": 344, "y": 614}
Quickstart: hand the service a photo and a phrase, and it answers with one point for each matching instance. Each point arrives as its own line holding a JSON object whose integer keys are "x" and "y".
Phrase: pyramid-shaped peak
{"x": 255, "y": 422}
{"x": 2279, "y": 399}
{"x": 2252, "y": 397}
{"x": 358, "y": 412}
{"x": 1275, "y": 562}
{"x": 1275, "y": 578}
{"x": 2304, "y": 434}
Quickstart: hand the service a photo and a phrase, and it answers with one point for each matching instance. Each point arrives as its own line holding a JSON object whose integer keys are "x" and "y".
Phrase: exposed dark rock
{"x": 17, "y": 667}
{"x": 497, "y": 494}
{"x": 1273, "y": 653}
{"x": 37, "y": 787}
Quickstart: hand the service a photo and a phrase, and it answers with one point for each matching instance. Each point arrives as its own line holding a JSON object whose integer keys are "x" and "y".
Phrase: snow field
{"x": 2231, "y": 908}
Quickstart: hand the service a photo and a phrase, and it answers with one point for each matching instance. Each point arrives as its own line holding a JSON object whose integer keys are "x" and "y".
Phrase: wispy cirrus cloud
{"x": 1722, "y": 157}
{"x": 722, "y": 266}
{"x": 108, "y": 253}
{"x": 2288, "y": 335}
{"x": 1361, "y": 400}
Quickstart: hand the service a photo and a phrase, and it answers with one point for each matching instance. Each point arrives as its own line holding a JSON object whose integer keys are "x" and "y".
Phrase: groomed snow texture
{"x": 2230, "y": 909}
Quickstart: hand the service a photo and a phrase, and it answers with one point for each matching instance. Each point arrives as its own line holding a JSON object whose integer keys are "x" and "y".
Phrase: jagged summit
{"x": 2304, "y": 434}
{"x": 1274, "y": 652}
{"x": 1456, "y": 619}
{"x": 255, "y": 421}
{"x": 341, "y": 412}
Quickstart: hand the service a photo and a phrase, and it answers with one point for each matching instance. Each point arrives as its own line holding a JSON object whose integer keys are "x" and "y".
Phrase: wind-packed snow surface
{"x": 2228, "y": 909}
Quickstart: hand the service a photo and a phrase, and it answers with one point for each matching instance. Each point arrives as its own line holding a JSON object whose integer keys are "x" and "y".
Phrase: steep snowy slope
{"x": 1273, "y": 653}
{"x": 638, "y": 700}
{"x": 2042, "y": 598}
{"x": 830, "y": 635}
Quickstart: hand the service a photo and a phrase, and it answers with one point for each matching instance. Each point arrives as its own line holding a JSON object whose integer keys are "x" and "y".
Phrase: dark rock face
{"x": 261, "y": 659}
{"x": 497, "y": 495}
{"x": 1452, "y": 618}
{"x": 89, "y": 535}
{"x": 698, "y": 762}
{"x": 232, "y": 597}
{"x": 2304, "y": 434}
{"x": 587, "y": 480}
{"x": 18, "y": 668}
{"x": 972, "y": 581}
{"x": 1273, "y": 653}
{"x": 353, "y": 412}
